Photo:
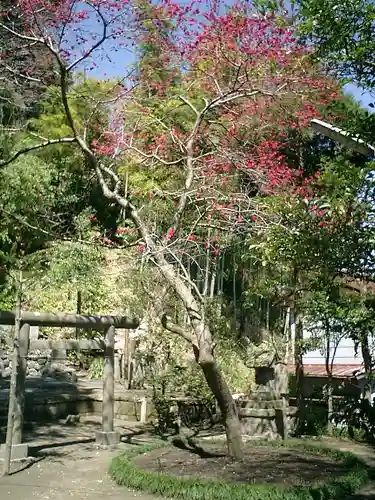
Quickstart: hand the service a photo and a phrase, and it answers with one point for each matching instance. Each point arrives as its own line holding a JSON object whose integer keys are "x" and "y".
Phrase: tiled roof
{"x": 337, "y": 371}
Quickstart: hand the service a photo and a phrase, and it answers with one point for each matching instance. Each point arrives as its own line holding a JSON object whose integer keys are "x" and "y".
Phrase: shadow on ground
{"x": 192, "y": 447}
{"x": 57, "y": 442}
{"x": 47, "y": 400}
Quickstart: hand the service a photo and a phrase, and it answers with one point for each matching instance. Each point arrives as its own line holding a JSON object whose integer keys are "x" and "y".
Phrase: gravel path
{"x": 69, "y": 466}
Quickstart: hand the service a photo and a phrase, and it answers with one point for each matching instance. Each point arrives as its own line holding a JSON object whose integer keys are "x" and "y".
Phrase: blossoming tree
{"x": 216, "y": 121}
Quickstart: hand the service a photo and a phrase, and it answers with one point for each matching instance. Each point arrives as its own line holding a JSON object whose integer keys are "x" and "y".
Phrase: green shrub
{"x": 96, "y": 369}
{"x": 125, "y": 473}
{"x": 356, "y": 417}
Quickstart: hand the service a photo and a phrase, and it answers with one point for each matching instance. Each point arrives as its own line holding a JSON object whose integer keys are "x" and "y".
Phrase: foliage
{"x": 26, "y": 206}
{"x": 170, "y": 370}
{"x": 357, "y": 416}
{"x": 96, "y": 369}
{"x": 50, "y": 195}
{"x": 344, "y": 35}
{"x": 194, "y": 401}
{"x": 125, "y": 473}
{"x": 58, "y": 273}
{"x": 319, "y": 239}
{"x": 233, "y": 357}
{"x": 182, "y": 374}
{"x": 338, "y": 313}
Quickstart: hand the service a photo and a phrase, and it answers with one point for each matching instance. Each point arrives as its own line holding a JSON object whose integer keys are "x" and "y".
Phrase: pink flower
{"x": 170, "y": 233}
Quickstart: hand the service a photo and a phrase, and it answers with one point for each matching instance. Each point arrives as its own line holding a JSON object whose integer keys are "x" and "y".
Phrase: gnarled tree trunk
{"x": 219, "y": 387}
{"x": 200, "y": 338}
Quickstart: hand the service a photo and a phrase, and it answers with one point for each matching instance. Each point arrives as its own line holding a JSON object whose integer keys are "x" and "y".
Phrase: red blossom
{"x": 255, "y": 138}
{"x": 170, "y": 233}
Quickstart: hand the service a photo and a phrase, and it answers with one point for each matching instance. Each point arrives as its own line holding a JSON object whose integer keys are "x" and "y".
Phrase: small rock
{"x": 72, "y": 420}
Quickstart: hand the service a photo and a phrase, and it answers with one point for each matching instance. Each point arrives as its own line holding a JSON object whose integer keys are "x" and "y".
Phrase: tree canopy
{"x": 200, "y": 155}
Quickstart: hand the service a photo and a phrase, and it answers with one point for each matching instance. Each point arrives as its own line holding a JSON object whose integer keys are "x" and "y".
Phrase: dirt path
{"x": 71, "y": 467}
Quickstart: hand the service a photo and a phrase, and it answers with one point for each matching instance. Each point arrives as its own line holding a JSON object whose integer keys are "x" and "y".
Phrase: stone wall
{"x": 38, "y": 363}
{"x": 266, "y": 419}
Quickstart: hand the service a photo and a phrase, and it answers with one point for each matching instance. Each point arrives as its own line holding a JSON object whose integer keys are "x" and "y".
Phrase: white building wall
{"x": 345, "y": 353}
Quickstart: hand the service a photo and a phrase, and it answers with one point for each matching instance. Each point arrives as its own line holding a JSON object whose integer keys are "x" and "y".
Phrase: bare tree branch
{"x": 36, "y": 147}
{"x": 21, "y": 75}
{"x": 179, "y": 330}
{"x": 95, "y": 45}
{"x": 22, "y": 37}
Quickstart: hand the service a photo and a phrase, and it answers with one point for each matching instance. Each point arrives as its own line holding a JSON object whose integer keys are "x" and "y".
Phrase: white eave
{"x": 343, "y": 137}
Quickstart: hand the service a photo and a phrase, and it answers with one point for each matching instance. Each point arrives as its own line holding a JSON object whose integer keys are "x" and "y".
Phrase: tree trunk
{"x": 299, "y": 371}
{"x": 368, "y": 368}
{"x": 223, "y": 395}
{"x": 329, "y": 405}
{"x": 329, "y": 359}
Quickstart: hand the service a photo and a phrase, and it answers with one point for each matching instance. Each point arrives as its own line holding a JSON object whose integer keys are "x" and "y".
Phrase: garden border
{"x": 125, "y": 473}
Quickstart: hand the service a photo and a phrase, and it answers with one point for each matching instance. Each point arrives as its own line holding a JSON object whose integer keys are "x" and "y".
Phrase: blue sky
{"x": 364, "y": 98}
{"x": 114, "y": 64}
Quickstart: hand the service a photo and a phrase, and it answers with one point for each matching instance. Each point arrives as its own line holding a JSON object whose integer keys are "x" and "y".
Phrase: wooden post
{"x": 117, "y": 369}
{"x": 19, "y": 403}
{"x": 143, "y": 416}
{"x": 285, "y": 415}
{"x": 125, "y": 359}
{"x": 108, "y": 435}
{"x": 79, "y": 309}
{"x": 13, "y": 384}
{"x": 109, "y": 381}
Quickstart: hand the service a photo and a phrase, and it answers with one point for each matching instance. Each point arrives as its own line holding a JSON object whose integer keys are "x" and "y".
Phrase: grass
{"x": 125, "y": 473}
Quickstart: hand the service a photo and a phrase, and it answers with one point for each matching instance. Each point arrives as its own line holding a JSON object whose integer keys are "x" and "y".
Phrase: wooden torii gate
{"x": 107, "y": 323}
